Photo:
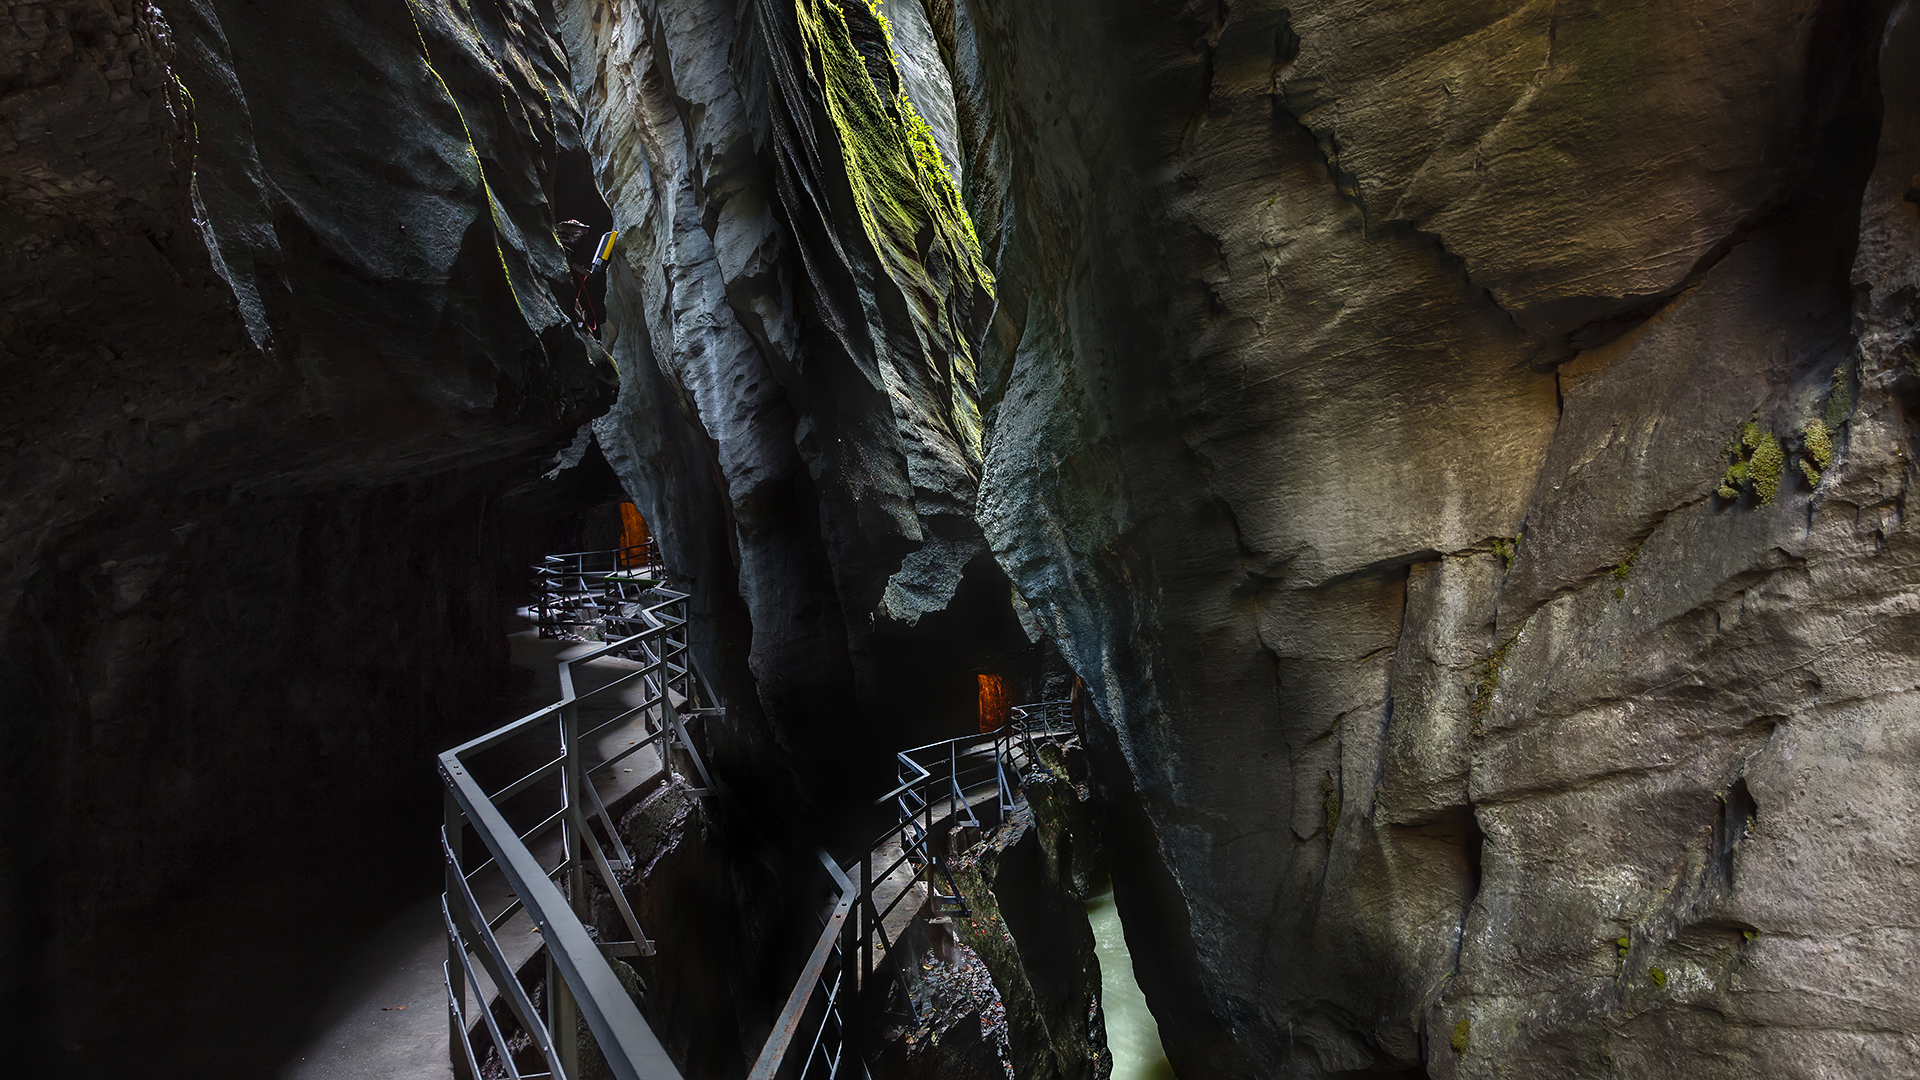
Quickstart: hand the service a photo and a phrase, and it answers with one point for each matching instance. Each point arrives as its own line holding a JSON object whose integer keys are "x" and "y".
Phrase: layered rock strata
{"x": 1370, "y": 385}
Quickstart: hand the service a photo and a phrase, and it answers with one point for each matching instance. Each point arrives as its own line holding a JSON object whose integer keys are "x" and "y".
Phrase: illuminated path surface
{"x": 1131, "y": 1033}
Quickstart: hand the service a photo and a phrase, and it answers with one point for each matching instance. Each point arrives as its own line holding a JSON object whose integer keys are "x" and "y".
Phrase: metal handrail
{"x": 581, "y": 981}
{"x": 857, "y": 920}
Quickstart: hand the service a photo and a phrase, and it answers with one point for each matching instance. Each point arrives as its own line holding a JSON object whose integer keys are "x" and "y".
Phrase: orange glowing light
{"x": 995, "y": 704}
{"x": 633, "y": 536}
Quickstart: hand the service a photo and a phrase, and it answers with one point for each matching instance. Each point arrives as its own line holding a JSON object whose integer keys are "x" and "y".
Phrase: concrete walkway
{"x": 386, "y": 1017}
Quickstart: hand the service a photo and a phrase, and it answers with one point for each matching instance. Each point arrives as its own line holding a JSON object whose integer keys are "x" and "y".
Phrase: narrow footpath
{"x": 386, "y": 1016}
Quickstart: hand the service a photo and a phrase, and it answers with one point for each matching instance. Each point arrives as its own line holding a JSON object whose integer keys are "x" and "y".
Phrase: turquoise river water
{"x": 1131, "y": 1033}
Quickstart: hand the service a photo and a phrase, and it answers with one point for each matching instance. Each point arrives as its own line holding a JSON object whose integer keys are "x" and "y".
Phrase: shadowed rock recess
{"x": 1464, "y": 448}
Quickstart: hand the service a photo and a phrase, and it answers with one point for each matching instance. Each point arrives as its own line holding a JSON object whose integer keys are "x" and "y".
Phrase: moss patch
{"x": 903, "y": 193}
{"x": 1508, "y": 548}
{"x": 1765, "y": 467}
{"x": 1658, "y": 975}
{"x": 1484, "y": 687}
{"x": 1758, "y": 462}
{"x": 1462, "y": 1035}
{"x": 1818, "y": 452}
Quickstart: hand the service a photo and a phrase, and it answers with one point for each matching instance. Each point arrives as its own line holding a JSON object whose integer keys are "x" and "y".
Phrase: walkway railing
{"x": 939, "y": 782}
{"x": 575, "y": 589}
{"x": 581, "y": 984}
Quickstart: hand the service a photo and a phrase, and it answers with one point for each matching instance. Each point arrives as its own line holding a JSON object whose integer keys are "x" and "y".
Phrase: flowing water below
{"x": 1131, "y": 1033}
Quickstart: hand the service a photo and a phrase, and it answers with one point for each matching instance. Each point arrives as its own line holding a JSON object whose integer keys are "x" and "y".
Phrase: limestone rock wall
{"x": 1360, "y": 388}
{"x": 796, "y": 308}
{"x": 279, "y": 345}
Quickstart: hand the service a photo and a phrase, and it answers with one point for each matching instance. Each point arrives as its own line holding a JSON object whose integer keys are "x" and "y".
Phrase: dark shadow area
{"x": 576, "y": 197}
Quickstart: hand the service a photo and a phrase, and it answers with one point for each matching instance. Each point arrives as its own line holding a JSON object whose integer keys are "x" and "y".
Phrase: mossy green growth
{"x": 1818, "y": 442}
{"x": 1765, "y": 467}
{"x": 1462, "y": 1035}
{"x": 1758, "y": 463}
{"x": 908, "y": 206}
{"x": 1484, "y": 688}
{"x": 1839, "y": 399}
{"x": 1508, "y": 548}
{"x": 1658, "y": 975}
{"x": 1621, "y": 570}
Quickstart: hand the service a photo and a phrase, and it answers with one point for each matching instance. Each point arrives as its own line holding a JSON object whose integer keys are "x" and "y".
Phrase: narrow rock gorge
{"x": 1461, "y": 449}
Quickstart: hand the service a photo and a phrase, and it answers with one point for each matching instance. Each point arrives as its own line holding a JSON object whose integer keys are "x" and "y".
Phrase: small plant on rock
{"x": 1758, "y": 462}
{"x": 1819, "y": 450}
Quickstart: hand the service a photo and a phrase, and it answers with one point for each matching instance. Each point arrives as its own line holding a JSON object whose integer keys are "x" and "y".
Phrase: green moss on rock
{"x": 1462, "y": 1035}
{"x": 1818, "y": 442}
{"x": 1765, "y": 467}
{"x": 1485, "y": 687}
{"x": 1759, "y": 461}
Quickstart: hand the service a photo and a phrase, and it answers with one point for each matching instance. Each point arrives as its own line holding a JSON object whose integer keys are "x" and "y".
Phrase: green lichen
{"x": 1484, "y": 687}
{"x": 1658, "y": 975}
{"x": 1462, "y": 1035}
{"x": 1765, "y": 467}
{"x": 1508, "y": 548}
{"x": 1625, "y": 566}
{"x": 1839, "y": 399}
{"x": 1758, "y": 463}
{"x": 909, "y": 208}
{"x": 1818, "y": 443}
{"x": 1621, "y": 570}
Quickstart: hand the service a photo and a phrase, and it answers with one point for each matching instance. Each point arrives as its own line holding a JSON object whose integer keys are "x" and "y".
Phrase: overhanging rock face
{"x": 278, "y": 335}
{"x": 797, "y": 307}
{"x": 1464, "y": 449}
{"x": 1372, "y": 379}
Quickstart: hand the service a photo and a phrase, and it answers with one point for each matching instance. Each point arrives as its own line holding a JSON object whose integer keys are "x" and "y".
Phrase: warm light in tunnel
{"x": 633, "y": 536}
{"x": 995, "y": 705}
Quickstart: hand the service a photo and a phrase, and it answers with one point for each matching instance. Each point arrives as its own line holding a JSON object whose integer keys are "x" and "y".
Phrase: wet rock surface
{"x": 1310, "y": 314}
{"x": 1464, "y": 449}
{"x": 280, "y": 354}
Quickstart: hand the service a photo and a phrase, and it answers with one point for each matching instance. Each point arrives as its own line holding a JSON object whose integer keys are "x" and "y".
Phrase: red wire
{"x": 581, "y": 299}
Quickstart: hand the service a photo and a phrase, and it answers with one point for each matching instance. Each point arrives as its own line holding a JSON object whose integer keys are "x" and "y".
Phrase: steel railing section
{"x": 581, "y": 983}
{"x": 577, "y": 589}
{"x": 936, "y": 782}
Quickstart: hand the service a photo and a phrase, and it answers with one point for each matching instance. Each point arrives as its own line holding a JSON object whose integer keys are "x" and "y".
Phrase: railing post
{"x": 456, "y": 972}
{"x": 566, "y": 1025}
{"x": 863, "y": 909}
{"x": 849, "y": 987}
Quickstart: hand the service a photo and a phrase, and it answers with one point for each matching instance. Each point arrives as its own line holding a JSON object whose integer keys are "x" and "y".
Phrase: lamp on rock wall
{"x": 995, "y": 705}
{"x": 634, "y": 537}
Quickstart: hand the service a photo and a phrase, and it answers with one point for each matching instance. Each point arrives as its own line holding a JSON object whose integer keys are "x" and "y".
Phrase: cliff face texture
{"x": 1463, "y": 447}
{"x": 796, "y": 311}
{"x": 279, "y": 343}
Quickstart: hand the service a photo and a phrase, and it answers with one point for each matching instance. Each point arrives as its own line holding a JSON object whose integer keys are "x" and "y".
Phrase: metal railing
{"x": 582, "y": 588}
{"x": 621, "y": 592}
{"x": 580, "y": 983}
{"x": 939, "y": 782}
